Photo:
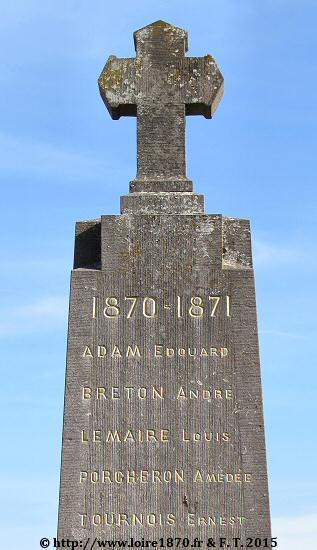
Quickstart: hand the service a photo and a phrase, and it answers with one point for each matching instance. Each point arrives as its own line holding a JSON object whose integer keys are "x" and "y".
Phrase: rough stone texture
{"x": 162, "y": 203}
{"x": 160, "y": 86}
{"x": 165, "y": 256}
{"x": 162, "y": 273}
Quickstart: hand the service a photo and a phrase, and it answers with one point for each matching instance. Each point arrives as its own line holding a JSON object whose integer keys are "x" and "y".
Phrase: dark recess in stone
{"x": 88, "y": 245}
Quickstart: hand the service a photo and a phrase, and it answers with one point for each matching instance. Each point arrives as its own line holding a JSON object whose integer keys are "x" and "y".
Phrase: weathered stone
{"x": 162, "y": 203}
{"x": 160, "y": 86}
{"x": 163, "y": 424}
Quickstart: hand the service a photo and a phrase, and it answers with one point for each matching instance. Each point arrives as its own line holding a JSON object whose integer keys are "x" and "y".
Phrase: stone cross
{"x": 160, "y": 87}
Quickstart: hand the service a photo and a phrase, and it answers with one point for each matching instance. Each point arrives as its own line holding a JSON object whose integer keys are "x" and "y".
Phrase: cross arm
{"x": 117, "y": 86}
{"x": 203, "y": 86}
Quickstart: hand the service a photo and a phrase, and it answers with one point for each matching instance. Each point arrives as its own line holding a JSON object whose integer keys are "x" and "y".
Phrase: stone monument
{"x": 163, "y": 426}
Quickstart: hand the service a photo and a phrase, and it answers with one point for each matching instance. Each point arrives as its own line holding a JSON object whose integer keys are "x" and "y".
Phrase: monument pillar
{"x": 163, "y": 422}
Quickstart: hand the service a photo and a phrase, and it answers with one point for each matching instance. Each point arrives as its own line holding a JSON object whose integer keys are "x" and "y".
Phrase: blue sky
{"x": 63, "y": 159}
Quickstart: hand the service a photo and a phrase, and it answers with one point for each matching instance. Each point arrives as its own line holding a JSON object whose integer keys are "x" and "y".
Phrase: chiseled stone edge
{"x": 162, "y": 203}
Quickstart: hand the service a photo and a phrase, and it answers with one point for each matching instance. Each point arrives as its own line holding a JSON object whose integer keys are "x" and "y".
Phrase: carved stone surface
{"x": 163, "y": 424}
{"x": 160, "y": 86}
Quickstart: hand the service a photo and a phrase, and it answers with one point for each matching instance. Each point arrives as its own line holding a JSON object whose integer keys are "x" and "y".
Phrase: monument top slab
{"x": 160, "y": 87}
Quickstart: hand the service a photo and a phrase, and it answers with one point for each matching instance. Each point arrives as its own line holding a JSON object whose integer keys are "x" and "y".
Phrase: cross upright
{"x": 160, "y": 87}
